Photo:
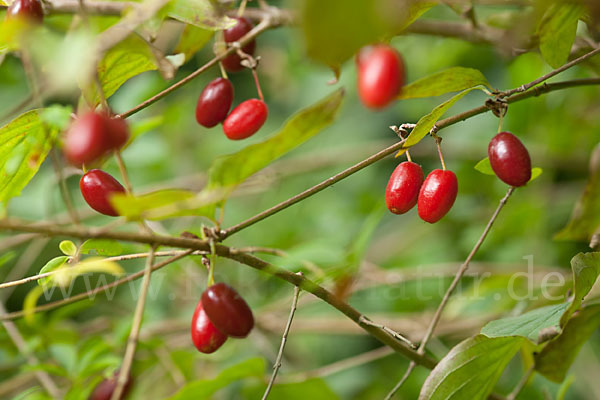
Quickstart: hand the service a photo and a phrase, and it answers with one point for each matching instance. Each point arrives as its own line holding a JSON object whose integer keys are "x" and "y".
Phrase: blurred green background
{"x": 344, "y": 230}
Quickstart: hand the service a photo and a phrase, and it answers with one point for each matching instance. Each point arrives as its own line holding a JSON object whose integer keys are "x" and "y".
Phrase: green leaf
{"x": 556, "y": 357}
{"x": 585, "y": 219}
{"x": 29, "y": 303}
{"x": 50, "y": 266}
{"x": 155, "y": 205}
{"x": 191, "y": 40}
{"x": 314, "y": 389}
{"x": 485, "y": 167}
{"x": 57, "y": 116}
{"x": 586, "y": 268}
{"x": 334, "y": 30}
{"x": 201, "y": 13}
{"x": 449, "y": 80}
{"x": 427, "y": 122}
{"x": 471, "y": 369}
{"x": 64, "y": 276}
{"x": 127, "y": 59}
{"x": 205, "y": 388}
{"x": 101, "y": 247}
{"x": 528, "y": 325}
{"x": 557, "y": 31}
{"x": 6, "y": 257}
{"x": 231, "y": 170}
{"x": 24, "y": 145}
{"x": 67, "y": 247}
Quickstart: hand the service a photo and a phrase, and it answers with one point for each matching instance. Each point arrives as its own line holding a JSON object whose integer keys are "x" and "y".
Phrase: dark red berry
{"x": 437, "y": 195}
{"x": 227, "y": 310}
{"x": 214, "y": 102}
{"x": 205, "y": 336}
{"x": 118, "y": 132}
{"x": 403, "y": 187}
{"x": 87, "y": 139}
{"x": 232, "y": 62}
{"x": 105, "y": 389}
{"x": 97, "y": 187}
{"x": 29, "y": 10}
{"x": 246, "y": 119}
{"x": 510, "y": 159}
{"x": 380, "y": 75}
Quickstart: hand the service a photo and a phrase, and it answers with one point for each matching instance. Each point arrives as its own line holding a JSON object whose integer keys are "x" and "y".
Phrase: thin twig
{"x": 513, "y": 395}
{"x": 283, "y": 342}
{"x": 390, "y": 331}
{"x": 409, "y": 370}
{"x": 135, "y": 330}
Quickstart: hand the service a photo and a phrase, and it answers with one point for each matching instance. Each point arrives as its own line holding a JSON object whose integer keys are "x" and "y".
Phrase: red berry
{"x": 437, "y": 195}
{"x": 214, "y": 102}
{"x": 380, "y": 75}
{"x": 510, "y": 159}
{"x": 205, "y": 336}
{"x": 87, "y": 139}
{"x": 97, "y": 187}
{"x": 30, "y": 10}
{"x": 105, "y": 389}
{"x": 227, "y": 310}
{"x": 118, "y": 132}
{"x": 403, "y": 187}
{"x": 245, "y": 119}
{"x": 232, "y": 62}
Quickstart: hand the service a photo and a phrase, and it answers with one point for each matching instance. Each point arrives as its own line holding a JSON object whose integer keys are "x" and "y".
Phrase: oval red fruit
{"x": 403, "y": 187}
{"x": 205, "y": 336}
{"x": 86, "y": 139}
{"x": 29, "y": 10}
{"x": 118, "y": 132}
{"x": 380, "y": 75}
{"x": 510, "y": 159}
{"x": 246, "y": 119}
{"x": 437, "y": 195}
{"x": 214, "y": 102}
{"x": 232, "y": 62}
{"x": 96, "y": 187}
{"x": 227, "y": 310}
{"x": 105, "y": 389}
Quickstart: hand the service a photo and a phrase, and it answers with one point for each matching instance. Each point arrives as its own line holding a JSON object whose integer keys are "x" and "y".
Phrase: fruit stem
{"x": 242, "y": 8}
{"x": 438, "y": 142}
{"x": 500, "y": 122}
{"x": 211, "y": 269}
{"x": 258, "y": 89}
{"x": 123, "y": 170}
{"x": 223, "y": 72}
{"x": 408, "y": 157}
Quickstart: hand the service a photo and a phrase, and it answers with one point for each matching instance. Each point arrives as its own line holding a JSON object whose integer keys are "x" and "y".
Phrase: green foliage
{"x": 201, "y": 13}
{"x": 557, "y": 31}
{"x": 101, "y": 247}
{"x": 68, "y": 247}
{"x": 471, "y": 369}
{"x": 586, "y": 268}
{"x": 50, "y": 266}
{"x": 453, "y": 79}
{"x": 156, "y": 205}
{"x": 556, "y": 357}
{"x": 191, "y": 40}
{"x": 205, "y": 388}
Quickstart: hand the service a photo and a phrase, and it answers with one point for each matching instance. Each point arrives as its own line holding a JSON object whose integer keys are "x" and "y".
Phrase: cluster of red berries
{"x": 216, "y": 98}
{"x": 220, "y": 313}
{"x": 27, "y": 10}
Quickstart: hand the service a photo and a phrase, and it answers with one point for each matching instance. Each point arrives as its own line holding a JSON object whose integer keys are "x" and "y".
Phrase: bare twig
{"x": 513, "y": 395}
{"x": 392, "y": 332}
{"x": 135, "y": 330}
{"x": 409, "y": 370}
{"x": 283, "y": 341}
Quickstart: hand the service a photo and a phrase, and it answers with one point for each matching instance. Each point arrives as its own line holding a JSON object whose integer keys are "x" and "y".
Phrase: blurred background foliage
{"x": 399, "y": 266}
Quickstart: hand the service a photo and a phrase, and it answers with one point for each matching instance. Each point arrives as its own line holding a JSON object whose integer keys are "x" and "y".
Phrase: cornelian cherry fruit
{"x": 214, "y": 102}
{"x": 105, "y": 389}
{"x": 510, "y": 159}
{"x": 28, "y": 10}
{"x": 403, "y": 187}
{"x": 97, "y": 187}
{"x": 205, "y": 336}
{"x": 437, "y": 195}
{"x": 246, "y": 119}
{"x": 118, "y": 132}
{"x": 233, "y": 62}
{"x": 227, "y": 310}
{"x": 380, "y": 75}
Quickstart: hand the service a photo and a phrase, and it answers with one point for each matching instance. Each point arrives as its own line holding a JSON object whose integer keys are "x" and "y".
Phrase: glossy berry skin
{"x": 87, "y": 139}
{"x": 380, "y": 75}
{"x": 510, "y": 159}
{"x": 228, "y": 312}
{"x": 246, "y": 119}
{"x": 97, "y": 187}
{"x": 105, "y": 389}
{"x": 29, "y": 10}
{"x": 205, "y": 336}
{"x": 437, "y": 195}
{"x": 118, "y": 132}
{"x": 232, "y": 62}
{"x": 214, "y": 102}
{"x": 403, "y": 187}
